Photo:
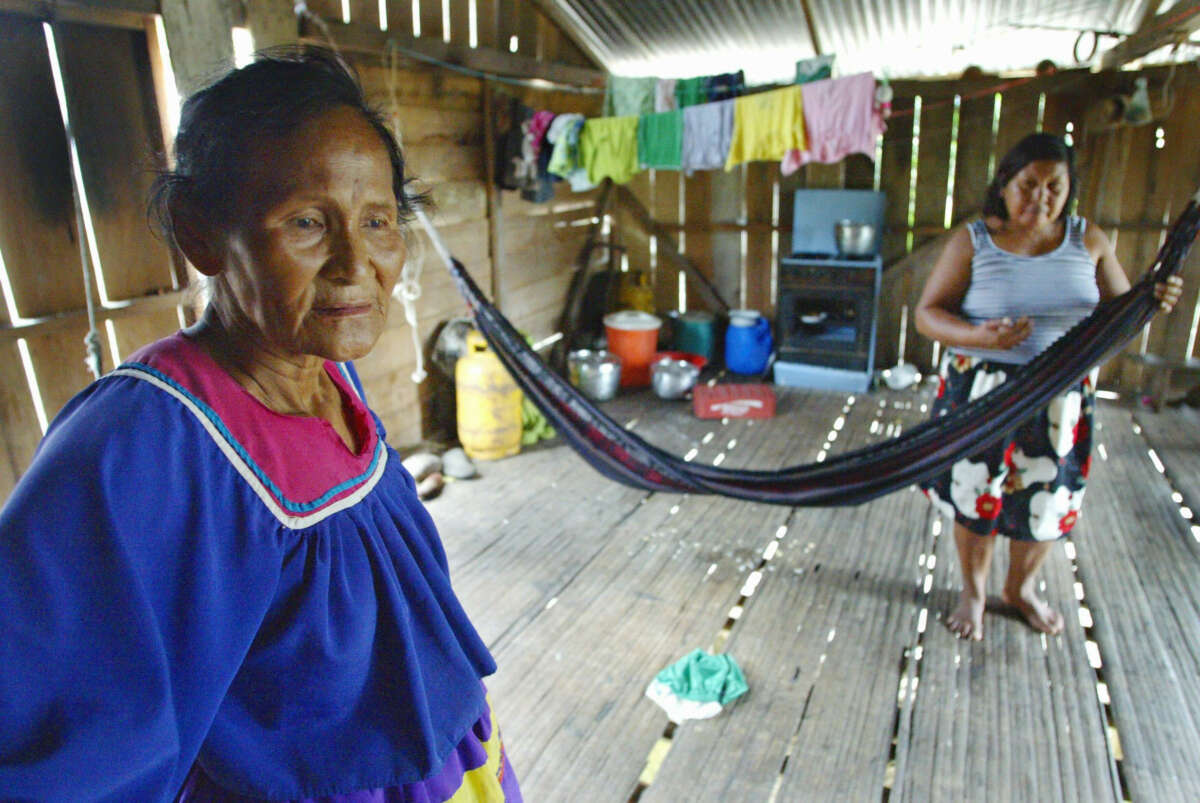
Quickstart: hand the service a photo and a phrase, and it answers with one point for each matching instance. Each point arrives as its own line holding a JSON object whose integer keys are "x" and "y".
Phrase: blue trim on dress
{"x": 211, "y": 415}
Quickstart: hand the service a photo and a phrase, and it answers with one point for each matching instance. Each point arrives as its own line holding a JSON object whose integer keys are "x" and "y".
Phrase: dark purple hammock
{"x": 854, "y": 477}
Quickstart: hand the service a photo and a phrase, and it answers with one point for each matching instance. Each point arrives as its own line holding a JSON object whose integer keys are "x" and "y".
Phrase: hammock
{"x": 854, "y": 477}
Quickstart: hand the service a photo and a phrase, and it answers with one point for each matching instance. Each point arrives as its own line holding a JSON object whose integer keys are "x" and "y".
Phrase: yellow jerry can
{"x": 635, "y": 292}
{"x": 489, "y": 403}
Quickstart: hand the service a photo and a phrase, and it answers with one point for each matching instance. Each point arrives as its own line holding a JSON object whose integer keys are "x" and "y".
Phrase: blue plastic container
{"x": 748, "y": 342}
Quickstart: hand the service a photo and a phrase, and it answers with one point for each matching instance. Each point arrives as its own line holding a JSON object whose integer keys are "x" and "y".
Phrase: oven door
{"x": 826, "y": 325}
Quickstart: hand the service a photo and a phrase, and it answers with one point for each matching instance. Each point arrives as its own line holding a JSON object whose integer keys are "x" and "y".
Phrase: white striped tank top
{"x": 1056, "y": 289}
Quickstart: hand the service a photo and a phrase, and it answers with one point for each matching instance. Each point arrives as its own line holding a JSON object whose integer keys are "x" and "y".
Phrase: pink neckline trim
{"x": 274, "y": 441}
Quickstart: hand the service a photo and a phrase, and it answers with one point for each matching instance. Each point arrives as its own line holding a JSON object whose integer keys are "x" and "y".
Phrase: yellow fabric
{"x": 482, "y": 784}
{"x": 608, "y": 148}
{"x": 766, "y": 126}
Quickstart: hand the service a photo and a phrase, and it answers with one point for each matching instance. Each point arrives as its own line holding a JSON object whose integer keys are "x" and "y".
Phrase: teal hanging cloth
{"x": 698, "y": 685}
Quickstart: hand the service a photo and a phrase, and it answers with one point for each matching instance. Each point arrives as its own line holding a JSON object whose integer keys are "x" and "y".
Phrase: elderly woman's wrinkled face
{"x": 1036, "y": 195}
{"x": 316, "y": 246}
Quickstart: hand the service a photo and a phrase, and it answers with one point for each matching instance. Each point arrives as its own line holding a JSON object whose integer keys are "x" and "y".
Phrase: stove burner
{"x": 817, "y": 256}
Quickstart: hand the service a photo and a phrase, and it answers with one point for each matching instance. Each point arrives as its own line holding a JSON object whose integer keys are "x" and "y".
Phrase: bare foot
{"x": 966, "y": 621}
{"x": 1035, "y": 611}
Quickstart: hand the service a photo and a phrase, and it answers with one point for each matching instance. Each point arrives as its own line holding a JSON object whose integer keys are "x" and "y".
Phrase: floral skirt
{"x": 1028, "y": 486}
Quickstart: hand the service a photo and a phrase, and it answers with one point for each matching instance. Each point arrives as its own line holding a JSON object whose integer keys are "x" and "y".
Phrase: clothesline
{"x": 818, "y": 121}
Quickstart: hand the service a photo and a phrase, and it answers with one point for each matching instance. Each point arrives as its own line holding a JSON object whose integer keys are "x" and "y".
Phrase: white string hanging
{"x": 408, "y": 289}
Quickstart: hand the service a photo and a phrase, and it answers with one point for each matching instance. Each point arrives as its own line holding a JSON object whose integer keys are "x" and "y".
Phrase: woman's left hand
{"x": 1168, "y": 293}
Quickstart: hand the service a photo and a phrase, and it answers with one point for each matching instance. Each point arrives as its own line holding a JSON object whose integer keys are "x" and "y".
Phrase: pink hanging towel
{"x": 840, "y": 118}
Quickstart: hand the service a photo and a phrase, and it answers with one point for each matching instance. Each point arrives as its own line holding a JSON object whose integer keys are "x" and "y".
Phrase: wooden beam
{"x": 65, "y": 320}
{"x": 1149, "y": 12}
{"x": 669, "y": 248}
{"x": 572, "y": 27}
{"x": 199, "y": 39}
{"x": 364, "y": 39}
{"x": 113, "y": 13}
{"x": 811, "y": 24}
{"x": 271, "y": 22}
{"x": 1163, "y": 29}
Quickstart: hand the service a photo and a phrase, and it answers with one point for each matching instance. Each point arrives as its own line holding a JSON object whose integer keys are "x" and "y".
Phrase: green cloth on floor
{"x": 690, "y": 92}
{"x": 705, "y": 678}
{"x": 660, "y": 140}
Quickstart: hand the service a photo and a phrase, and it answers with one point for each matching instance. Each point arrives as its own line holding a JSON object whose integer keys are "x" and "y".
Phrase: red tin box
{"x": 733, "y": 401}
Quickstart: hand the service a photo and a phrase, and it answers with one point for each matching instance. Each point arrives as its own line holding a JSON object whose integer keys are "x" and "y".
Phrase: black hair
{"x": 280, "y": 91}
{"x": 1033, "y": 148}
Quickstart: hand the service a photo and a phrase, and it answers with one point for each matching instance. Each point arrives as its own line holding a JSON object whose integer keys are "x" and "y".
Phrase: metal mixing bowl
{"x": 672, "y": 378}
{"x": 596, "y": 373}
{"x": 854, "y": 239}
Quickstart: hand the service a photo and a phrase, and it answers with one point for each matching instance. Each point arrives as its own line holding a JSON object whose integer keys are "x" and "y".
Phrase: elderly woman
{"x": 1007, "y": 286}
{"x": 217, "y": 581}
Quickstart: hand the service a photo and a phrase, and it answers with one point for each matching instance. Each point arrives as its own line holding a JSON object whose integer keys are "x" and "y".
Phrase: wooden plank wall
{"x": 118, "y": 130}
{"x": 119, "y": 146}
{"x": 732, "y": 225}
{"x": 439, "y": 116}
{"x": 937, "y": 156}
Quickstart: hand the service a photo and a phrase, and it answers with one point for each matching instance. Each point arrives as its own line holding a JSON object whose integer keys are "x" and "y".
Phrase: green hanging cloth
{"x": 660, "y": 140}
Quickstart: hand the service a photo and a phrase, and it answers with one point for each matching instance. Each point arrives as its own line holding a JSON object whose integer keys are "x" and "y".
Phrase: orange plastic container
{"x": 633, "y": 336}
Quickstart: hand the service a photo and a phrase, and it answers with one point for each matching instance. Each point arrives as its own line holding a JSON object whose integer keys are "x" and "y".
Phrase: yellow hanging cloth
{"x": 766, "y": 126}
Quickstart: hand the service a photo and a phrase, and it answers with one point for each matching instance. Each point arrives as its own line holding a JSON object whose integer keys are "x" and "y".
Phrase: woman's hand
{"x": 1168, "y": 293}
{"x": 1004, "y": 333}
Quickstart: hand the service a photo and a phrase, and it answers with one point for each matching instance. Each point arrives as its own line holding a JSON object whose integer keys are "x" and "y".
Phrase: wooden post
{"x": 199, "y": 36}
{"x": 272, "y": 22}
{"x": 495, "y": 221}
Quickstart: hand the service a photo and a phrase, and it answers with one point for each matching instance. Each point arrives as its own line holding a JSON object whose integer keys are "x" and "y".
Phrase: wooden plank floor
{"x": 584, "y": 589}
{"x": 1138, "y": 564}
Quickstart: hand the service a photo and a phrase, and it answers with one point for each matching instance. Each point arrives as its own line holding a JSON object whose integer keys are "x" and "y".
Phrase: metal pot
{"x": 596, "y": 373}
{"x": 672, "y": 378}
{"x": 854, "y": 239}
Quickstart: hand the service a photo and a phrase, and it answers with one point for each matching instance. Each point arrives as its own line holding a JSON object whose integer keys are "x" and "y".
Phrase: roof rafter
{"x": 1162, "y": 29}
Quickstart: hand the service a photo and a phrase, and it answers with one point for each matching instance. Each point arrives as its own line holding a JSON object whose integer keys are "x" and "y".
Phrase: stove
{"x": 827, "y": 303}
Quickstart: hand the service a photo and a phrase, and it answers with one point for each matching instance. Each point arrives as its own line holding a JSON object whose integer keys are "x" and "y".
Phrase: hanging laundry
{"x": 767, "y": 125}
{"x": 533, "y": 179}
{"x": 697, "y": 686}
{"x": 707, "y": 131}
{"x": 664, "y": 95}
{"x": 510, "y": 162}
{"x": 538, "y": 125}
{"x": 563, "y": 135}
{"x": 626, "y": 97}
{"x": 608, "y": 148}
{"x": 660, "y": 140}
{"x": 817, "y": 68}
{"x": 725, "y": 86}
{"x": 541, "y": 188}
{"x": 690, "y": 92}
{"x": 841, "y": 118}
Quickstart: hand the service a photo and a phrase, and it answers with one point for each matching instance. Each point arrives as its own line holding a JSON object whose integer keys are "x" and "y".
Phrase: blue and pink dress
{"x": 207, "y": 600}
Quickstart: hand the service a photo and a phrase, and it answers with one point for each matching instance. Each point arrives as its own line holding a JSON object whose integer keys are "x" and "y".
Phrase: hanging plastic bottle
{"x": 489, "y": 403}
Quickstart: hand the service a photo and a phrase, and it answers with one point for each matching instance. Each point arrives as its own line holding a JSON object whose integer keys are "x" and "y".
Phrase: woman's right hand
{"x": 1002, "y": 334}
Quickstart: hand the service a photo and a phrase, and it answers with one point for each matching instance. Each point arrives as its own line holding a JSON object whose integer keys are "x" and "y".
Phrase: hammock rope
{"x": 854, "y": 477}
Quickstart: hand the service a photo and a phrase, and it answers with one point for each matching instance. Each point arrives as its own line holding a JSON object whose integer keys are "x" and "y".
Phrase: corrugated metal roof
{"x": 897, "y": 38}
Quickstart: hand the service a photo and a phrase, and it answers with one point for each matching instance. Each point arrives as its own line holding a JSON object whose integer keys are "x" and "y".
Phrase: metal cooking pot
{"x": 854, "y": 239}
{"x": 596, "y": 373}
{"x": 672, "y": 378}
